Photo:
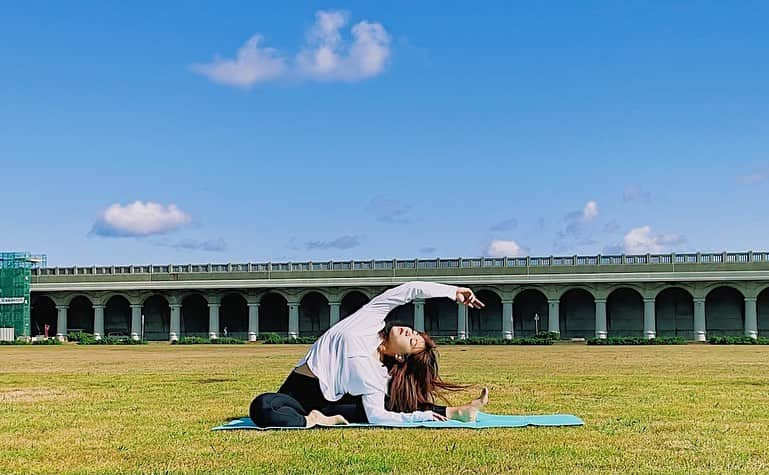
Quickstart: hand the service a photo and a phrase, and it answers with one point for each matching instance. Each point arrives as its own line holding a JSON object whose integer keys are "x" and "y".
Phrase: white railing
{"x": 397, "y": 264}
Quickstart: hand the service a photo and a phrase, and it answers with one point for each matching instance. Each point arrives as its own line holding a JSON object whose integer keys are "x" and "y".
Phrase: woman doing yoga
{"x": 361, "y": 370}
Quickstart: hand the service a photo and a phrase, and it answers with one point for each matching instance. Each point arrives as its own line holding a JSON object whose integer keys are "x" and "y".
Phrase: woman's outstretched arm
{"x": 378, "y": 308}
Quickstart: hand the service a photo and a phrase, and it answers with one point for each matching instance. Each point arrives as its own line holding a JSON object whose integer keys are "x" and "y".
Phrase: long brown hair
{"x": 415, "y": 383}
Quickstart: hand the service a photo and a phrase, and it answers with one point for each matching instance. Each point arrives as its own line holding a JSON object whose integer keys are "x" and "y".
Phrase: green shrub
{"x": 275, "y": 339}
{"x": 638, "y": 340}
{"x": 541, "y": 339}
{"x": 271, "y": 338}
{"x": 81, "y": 338}
{"x": 228, "y": 341}
{"x": 50, "y": 341}
{"x": 14, "y": 342}
{"x": 737, "y": 340}
{"x": 191, "y": 340}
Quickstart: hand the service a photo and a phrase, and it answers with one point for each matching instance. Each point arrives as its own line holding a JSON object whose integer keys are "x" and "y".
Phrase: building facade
{"x": 689, "y": 295}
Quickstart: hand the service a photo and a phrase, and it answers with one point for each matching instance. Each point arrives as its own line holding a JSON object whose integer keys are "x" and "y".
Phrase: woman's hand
{"x": 438, "y": 417}
{"x": 467, "y": 297}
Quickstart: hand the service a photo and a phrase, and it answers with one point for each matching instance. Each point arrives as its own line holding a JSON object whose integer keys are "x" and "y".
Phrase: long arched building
{"x": 690, "y": 295}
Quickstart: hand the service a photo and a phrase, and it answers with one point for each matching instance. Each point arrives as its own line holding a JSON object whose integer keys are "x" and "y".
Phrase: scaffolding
{"x": 15, "y": 279}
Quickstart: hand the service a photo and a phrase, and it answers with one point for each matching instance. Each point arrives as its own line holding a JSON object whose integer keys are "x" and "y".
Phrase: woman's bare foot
{"x": 482, "y": 399}
{"x": 317, "y": 418}
{"x": 469, "y": 412}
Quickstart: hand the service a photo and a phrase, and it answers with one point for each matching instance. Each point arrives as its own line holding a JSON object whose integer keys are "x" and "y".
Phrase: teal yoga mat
{"x": 485, "y": 421}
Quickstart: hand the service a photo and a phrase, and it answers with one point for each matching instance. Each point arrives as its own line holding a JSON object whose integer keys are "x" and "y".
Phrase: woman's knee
{"x": 260, "y": 408}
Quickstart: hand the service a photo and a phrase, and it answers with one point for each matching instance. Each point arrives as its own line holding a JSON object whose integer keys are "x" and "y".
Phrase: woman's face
{"x": 405, "y": 341}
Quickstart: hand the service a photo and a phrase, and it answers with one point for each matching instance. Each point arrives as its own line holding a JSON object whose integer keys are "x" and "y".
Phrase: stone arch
{"x": 486, "y": 321}
{"x": 157, "y": 317}
{"x": 104, "y": 298}
{"x": 674, "y": 312}
{"x": 43, "y": 312}
{"x": 762, "y": 311}
{"x": 724, "y": 311}
{"x": 577, "y": 313}
{"x": 194, "y": 315}
{"x": 233, "y": 315}
{"x": 301, "y": 295}
{"x": 117, "y": 316}
{"x": 687, "y": 288}
{"x": 441, "y": 317}
{"x": 80, "y": 314}
{"x": 369, "y": 293}
{"x": 490, "y": 289}
{"x": 528, "y": 303}
{"x": 403, "y": 314}
{"x": 273, "y": 313}
{"x": 314, "y": 314}
{"x": 351, "y": 302}
{"x": 625, "y": 312}
{"x": 564, "y": 290}
{"x": 717, "y": 285}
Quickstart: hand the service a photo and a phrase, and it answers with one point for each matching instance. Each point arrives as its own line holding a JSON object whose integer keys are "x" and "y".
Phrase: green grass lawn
{"x": 148, "y": 409}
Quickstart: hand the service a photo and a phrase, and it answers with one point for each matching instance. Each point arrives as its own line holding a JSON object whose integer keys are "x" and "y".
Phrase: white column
{"x": 700, "y": 332}
{"x": 293, "y": 320}
{"x": 461, "y": 321}
{"x": 98, "y": 321}
{"x": 213, "y": 320}
{"x": 553, "y": 316}
{"x": 600, "y": 319}
{"x": 650, "y": 328}
{"x": 176, "y": 322}
{"x": 61, "y": 321}
{"x": 136, "y": 321}
{"x": 333, "y": 316}
{"x": 751, "y": 318}
{"x": 253, "y": 321}
{"x": 507, "y": 320}
{"x": 419, "y": 315}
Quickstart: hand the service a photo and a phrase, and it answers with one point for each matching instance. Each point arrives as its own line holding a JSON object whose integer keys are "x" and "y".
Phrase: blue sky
{"x": 162, "y": 132}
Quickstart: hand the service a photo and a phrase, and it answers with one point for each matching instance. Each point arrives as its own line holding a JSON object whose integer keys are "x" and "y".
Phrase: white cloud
{"x": 590, "y": 211}
{"x": 326, "y": 56}
{"x": 500, "y": 248}
{"x": 139, "y": 219}
{"x": 641, "y": 241}
{"x": 252, "y": 64}
{"x": 753, "y": 178}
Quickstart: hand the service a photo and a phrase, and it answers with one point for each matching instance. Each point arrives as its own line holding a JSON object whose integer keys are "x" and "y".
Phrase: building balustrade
{"x": 461, "y": 263}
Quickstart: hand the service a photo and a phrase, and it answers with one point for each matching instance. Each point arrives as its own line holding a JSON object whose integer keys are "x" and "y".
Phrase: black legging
{"x": 301, "y": 394}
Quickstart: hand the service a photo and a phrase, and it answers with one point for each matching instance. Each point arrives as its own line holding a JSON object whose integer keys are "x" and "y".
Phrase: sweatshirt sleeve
{"x": 377, "y": 414}
{"x": 378, "y": 308}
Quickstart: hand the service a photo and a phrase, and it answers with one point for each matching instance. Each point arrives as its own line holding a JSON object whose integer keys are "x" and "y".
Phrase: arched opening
{"x": 441, "y": 316}
{"x": 273, "y": 314}
{"x": 486, "y": 321}
{"x": 351, "y": 303}
{"x": 194, "y": 317}
{"x": 402, "y": 313}
{"x": 314, "y": 314}
{"x": 233, "y": 317}
{"x": 725, "y": 312}
{"x": 117, "y": 316}
{"x": 625, "y": 313}
{"x": 577, "y": 308}
{"x": 80, "y": 315}
{"x": 527, "y": 305}
{"x": 674, "y": 313}
{"x": 763, "y": 312}
{"x": 157, "y": 318}
{"x": 42, "y": 313}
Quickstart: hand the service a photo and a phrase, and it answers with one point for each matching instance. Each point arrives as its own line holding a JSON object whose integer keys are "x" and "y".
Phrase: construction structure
{"x": 15, "y": 273}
